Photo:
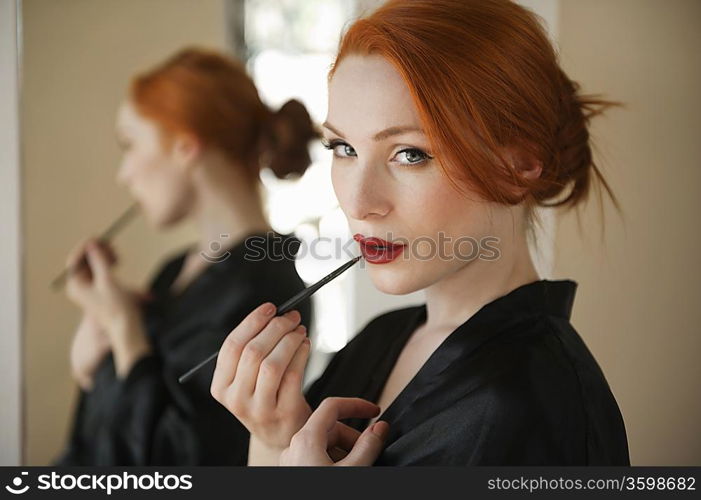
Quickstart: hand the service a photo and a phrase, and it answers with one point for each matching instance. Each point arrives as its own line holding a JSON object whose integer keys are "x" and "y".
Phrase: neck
{"x": 457, "y": 297}
{"x": 227, "y": 207}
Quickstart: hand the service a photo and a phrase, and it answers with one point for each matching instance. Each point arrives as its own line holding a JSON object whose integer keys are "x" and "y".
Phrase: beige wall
{"x": 78, "y": 57}
{"x": 638, "y": 304}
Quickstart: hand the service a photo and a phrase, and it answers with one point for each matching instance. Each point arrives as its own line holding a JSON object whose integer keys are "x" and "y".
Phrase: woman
{"x": 194, "y": 133}
{"x": 449, "y": 121}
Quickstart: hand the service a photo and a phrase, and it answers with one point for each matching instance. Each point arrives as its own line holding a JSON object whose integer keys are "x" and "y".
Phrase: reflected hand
{"x": 89, "y": 347}
{"x": 94, "y": 288}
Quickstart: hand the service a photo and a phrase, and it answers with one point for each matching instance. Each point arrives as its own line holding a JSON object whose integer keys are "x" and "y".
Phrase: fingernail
{"x": 269, "y": 309}
{"x": 380, "y": 429}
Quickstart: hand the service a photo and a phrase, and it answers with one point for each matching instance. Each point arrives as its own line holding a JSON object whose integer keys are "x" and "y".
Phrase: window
{"x": 289, "y": 47}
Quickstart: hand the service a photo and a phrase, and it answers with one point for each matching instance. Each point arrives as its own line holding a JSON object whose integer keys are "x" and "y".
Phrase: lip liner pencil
{"x": 287, "y": 306}
{"x": 108, "y": 234}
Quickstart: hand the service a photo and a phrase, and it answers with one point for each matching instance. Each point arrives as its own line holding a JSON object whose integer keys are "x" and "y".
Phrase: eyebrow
{"x": 381, "y": 135}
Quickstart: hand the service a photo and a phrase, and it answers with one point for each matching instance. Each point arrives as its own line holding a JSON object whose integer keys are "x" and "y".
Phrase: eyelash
{"x": 333, "y": 144}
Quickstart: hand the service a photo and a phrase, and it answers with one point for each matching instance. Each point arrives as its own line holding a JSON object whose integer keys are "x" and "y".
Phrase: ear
{"x": 186, "y": 150}
{"x": 526, "y": 166}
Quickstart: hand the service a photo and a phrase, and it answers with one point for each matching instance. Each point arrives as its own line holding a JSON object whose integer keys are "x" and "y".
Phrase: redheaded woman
{"x": 450, "y": 122}
{"x": 194, "y": 135}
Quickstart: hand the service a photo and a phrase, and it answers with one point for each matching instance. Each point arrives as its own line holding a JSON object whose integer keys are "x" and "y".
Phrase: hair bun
{"x": 573, "y": 165}
{"x": 289, "y": 132}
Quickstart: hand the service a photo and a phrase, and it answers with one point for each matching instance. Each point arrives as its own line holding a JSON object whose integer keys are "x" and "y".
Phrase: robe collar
{"x": 539, "y": 298}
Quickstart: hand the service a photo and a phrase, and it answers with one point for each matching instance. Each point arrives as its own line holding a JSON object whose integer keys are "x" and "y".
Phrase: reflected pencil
{"x": 107, "y": 235}
{"x": 282, "y": 309}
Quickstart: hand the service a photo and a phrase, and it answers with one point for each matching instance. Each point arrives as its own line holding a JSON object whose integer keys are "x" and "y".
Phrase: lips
{"x": 377, "y": 250}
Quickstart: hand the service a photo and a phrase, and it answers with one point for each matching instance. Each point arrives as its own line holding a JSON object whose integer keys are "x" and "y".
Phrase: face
{"x": 390, "y": 185}
{"x": 159, "y": 180}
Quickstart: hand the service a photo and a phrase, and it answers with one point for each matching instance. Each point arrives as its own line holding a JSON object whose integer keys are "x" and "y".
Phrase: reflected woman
{"x": 194, "y": 135}
{"x": 450, "y": 122}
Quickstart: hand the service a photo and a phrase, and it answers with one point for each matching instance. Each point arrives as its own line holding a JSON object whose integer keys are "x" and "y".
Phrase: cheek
{"x": 445, "y": 226}
{"x": 143, "y": 167}
{"x": 155, "y": 172}
{"x": 428, "y": 205}
{"x": 452, "y": 212}
{"x": 162, "y": 188}
{"x": 341, "y": 185}
{"x": 168, "y": 186}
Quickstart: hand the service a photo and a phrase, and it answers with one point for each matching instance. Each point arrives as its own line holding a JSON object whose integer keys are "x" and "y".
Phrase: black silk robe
{"x": 148, "y": 418}
{"x": 513, "y": 385}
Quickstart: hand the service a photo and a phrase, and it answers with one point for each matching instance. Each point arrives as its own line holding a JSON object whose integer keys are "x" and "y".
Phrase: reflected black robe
{"x": 148, "y": 418}
{"x": 513, "y": 385}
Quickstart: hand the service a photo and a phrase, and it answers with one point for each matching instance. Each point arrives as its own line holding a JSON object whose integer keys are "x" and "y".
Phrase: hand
{"x": 92, "y": 286}
{"x": 259, "y": 374}
{"x": 89, "y": 347}
{"x": 323, "y": 436}
{"x": 116, "y": 310}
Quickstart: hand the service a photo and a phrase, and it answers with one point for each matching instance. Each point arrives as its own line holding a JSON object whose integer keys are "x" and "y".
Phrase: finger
{"x": 144, "y": 296}
{"x": 291, "y": 384}
{"x": 77, "y": 261}
{"x": 337, "y": 454}
{"x": 233, "y": 345}
{"x": 77, "y": 252}
{"x": 99, "y": 263}
{"x": 109, "y": 252}
{"x": 322, "y": 421}
{"x": 343, "y": 436}
{"x": 82, "y": 380}
{"x": 77, "y": 288}
{"x": 368, "y": 446}
{"x": 259, "y": 348}
{"x": 275, "y": 365}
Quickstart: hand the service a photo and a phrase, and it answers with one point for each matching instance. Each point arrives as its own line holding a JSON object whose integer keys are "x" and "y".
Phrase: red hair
{"x": 210, "y": 95}
{"x": 483, "y": 75}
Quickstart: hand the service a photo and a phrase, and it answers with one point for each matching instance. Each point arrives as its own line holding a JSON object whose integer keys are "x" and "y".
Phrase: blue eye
{"x": 340, "y": 149}
{"x": 412, "y": 156}
{"x": 406, "y": 156}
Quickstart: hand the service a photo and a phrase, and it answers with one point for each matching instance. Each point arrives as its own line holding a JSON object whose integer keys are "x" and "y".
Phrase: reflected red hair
{"x": 210, "y": 95}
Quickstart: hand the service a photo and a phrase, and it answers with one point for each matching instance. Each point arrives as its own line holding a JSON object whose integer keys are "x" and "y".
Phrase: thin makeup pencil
{"x": 287, "y": 306}
{"x": 107, "y": 235}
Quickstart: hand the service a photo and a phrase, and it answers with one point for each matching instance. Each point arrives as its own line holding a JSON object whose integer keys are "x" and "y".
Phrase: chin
{"x": 393, "y": 280}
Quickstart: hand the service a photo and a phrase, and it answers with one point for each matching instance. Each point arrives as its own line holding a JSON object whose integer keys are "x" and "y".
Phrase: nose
{"x": 368, "y": 194}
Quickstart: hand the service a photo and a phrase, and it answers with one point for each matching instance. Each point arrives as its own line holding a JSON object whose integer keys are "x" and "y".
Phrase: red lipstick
{"x": 377, "y": 250}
